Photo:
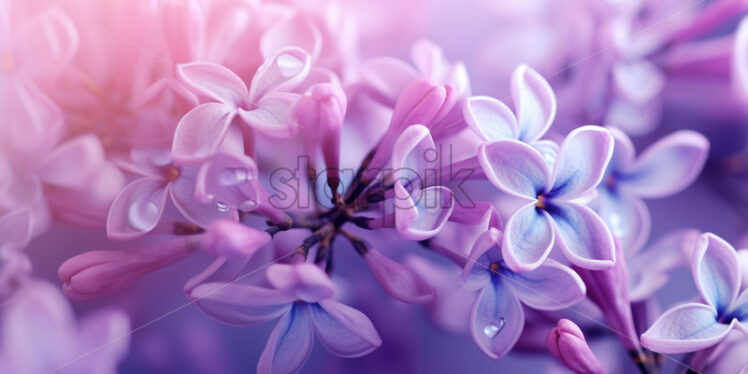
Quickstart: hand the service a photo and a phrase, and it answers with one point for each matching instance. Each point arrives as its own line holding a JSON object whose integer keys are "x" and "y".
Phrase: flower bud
{"x": 227, "y": 238}
{"x": 96, "y": 274}
{"x": 566, "y": 342}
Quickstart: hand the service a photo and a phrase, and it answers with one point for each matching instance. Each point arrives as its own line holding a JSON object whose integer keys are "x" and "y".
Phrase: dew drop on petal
{"x": 247, "y": 205}
{"x": 493, "y": 329}
{"x": 222, "y": 207}
{"x": 289, "y": 65}
{"x": 233, "y": 176}
{"x": 142, "y": 215}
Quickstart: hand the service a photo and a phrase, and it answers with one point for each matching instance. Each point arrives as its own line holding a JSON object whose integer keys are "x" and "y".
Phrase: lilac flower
{"x": 302, "y": 298}
{"x": 552, "y": 213}
{"x": 40, "y": 335}
{"x": 664, "y": 169}
{"x": 265, "y": 107}
{"x": 534, "y": 105}
{"x": 567, "y": 344}
{"x": 695, "y": 326}
{"x": 139, "y": 206}
{"x": 497, "y": 318}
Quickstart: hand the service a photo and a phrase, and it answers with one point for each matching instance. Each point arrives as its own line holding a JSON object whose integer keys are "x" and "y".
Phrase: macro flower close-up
{"x": 359, "y": 186}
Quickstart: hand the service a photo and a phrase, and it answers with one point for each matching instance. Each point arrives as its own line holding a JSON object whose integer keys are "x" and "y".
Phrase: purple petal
{"x": 624, "y": 153}
{"x": 581, "y": 163}
{"x": 685, "y": 328}
{"x": 240, "y": 304}
{"x": 490, "y": 119}
{"x": 477, "y": 272}
{"x": 422, "y": 215}
{"x": 284, "y": 71}
{"x": 49, "y": 36}
{"x": 230, "y": 180}
{"x": 305, "y": 281}
{"x": 551, "y": 286}
{"x": 200, "y": 132}
{"x": 342, "y": 330}
{"x": 182, "y": 191}
{"x": 106, "y": 335}
{"x": 626, "y": 216}
{"x": 221, "y": 270}
{"x": 639, "y": 81}
{"x": 716, "y": 272}
{"x": 515, "y": 168}
{"x": 227, "y": 238}
{"x": 740, "y": 59}
{"x": 214, "y": 81}
{"x": 137, "y": 209}
{"x": 534, "y": 103}
{"x": 290, "y": 344}
{"x": 528, "y": 238}
{"x": 272, "y": 116}
{"x": 399, "y": 281}
{"x": 41, "y": 326}
{"x": 496, "y": 320}
{"x": 670, "y": 165}
{"x": 412, "y": 156}
{"x": 583, "y": 236}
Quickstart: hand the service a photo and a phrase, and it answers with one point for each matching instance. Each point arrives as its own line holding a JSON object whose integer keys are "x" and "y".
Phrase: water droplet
{"x": 142, "y": 215}
{"x": 289, "y": 65}
{"x": 222, "y": 207}
{"x": 233, "y": 176}
{"x": 247, "y": 205}
{"x": 494, "y": 328}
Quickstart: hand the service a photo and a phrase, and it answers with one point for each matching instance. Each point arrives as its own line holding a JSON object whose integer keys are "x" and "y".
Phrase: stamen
{"x": 494, "y": 267}
{"x": 541, "y": 202}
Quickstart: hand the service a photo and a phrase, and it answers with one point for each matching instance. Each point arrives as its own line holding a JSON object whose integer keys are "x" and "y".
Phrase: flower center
{"x": 541, "y": 203}
{"x": 172, "y": 174}
{"x": 494, "y": 267}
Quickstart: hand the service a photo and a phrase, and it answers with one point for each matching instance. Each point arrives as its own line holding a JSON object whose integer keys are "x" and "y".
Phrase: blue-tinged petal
{"x": 490, "y": 119}
{"x": 422, "y": 214}
{"x": 739, "y": 310}
{"x": 626, "y": 216}
{"x": 496, "y": 320}
{"x": 413, "y": 155}
{"x": 685, "y": 328}
{"x": 552, "y": 286}
{"x": 342, "y": 330}
{"x": 477, "y": 270}
{"x": 581, "y": 162}
{"x": 239, "y": 304}
{"x": 290, "y": 344}
{"x": 528, "y": 238}
{"x": 515, "y": 167}
{"x": 670, "y": 165}
{"x": 534, "y": 103}
{"x": 583, "y": 236}
{"x": 716, "y": 271}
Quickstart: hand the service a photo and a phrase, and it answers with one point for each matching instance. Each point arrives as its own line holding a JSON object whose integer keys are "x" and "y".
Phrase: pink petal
{"x": 240, "y": 304}
{"x": 422, "y": 215}
{"x": 214, "y": 81}
{"x": 282, "y": 72}
{"x": 200, "y": 132}
{"x": 306, "y": 281}
{"x": 293, "y": 32}
{"x": 385, "y": 78}
{"x": 48, "y": 37}
{"x": 137, "y": 209}
{"x": 84, "y": 151}
{"x": 273, "y": 115}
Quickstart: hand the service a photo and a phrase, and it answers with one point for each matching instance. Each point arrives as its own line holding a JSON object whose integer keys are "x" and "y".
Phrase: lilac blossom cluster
{"x": 321, "y": 187}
